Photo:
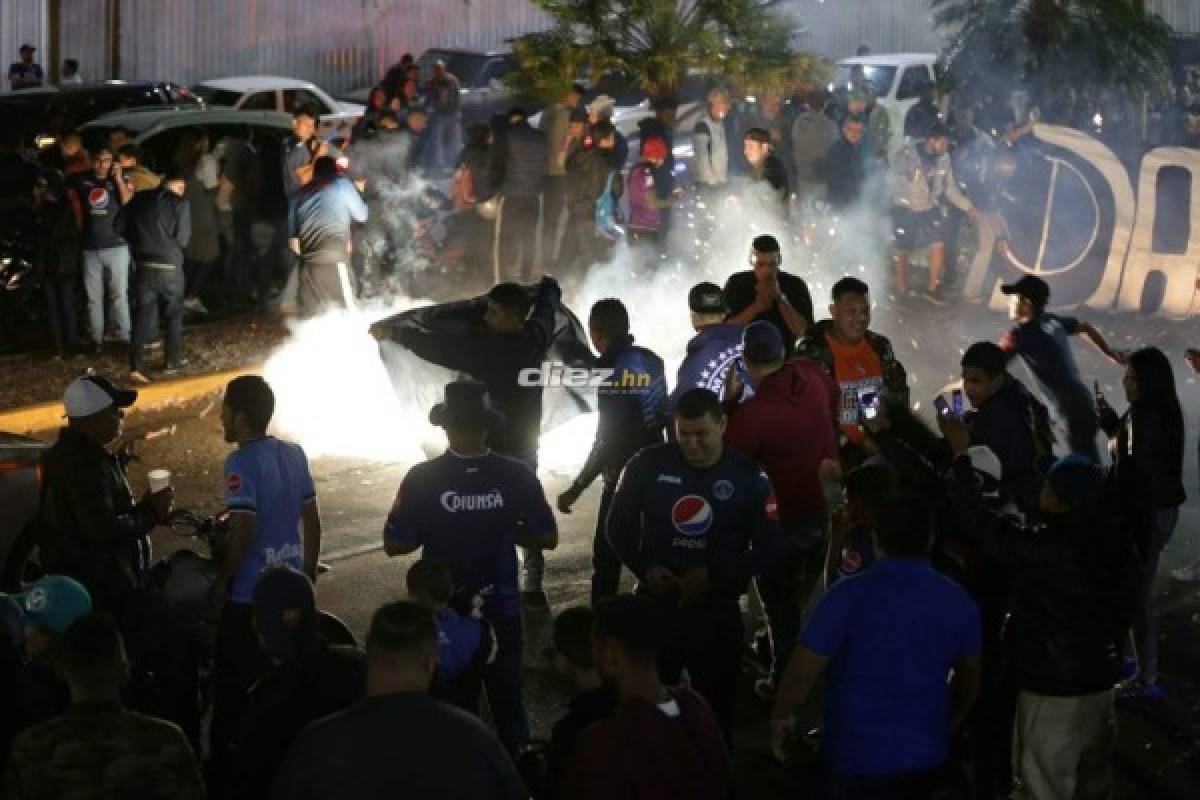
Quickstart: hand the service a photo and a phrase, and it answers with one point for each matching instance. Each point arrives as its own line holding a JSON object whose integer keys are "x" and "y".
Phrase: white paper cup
{"x": 158, "y": 479}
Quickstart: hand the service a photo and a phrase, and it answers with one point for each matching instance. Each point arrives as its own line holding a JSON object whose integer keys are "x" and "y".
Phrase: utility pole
{"x": 113, "y": 37}
{"x": 53, "y": 35}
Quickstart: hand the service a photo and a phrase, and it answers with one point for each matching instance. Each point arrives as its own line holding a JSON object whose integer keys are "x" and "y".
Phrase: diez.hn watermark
{"x": 561, "y": 376}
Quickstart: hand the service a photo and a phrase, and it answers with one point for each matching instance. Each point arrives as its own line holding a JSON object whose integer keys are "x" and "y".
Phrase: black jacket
{"x": 1016, "y": 426}
{"x": 587, "y": 173}
{"x": 843, "y": 172}
{"x": 524, "y": 165}
{"x": 158, "y": 226}
{"x": 324, "y": 681}
{"x": 633, "y": 410}
{"x": 92, "y": 530}
{"x": 1077, "y": 585}
{"x": 1147, "y": 450}
{"x": 461, "y": 344}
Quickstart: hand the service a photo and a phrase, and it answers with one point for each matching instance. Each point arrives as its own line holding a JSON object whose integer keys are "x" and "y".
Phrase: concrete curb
{"x": 155, "y": 397}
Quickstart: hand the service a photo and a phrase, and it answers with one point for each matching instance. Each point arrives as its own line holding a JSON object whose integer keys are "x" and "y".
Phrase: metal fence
{"x": 339, "y": 44}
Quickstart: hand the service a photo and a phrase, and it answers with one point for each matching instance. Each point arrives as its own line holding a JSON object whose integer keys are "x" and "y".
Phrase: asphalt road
{"x": 1159, "y": 752}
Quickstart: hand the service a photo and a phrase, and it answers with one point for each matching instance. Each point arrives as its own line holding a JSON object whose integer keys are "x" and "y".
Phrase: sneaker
{"x": 138, "y": 377}
{"x": 1189, "y": 573}
{"x": 172, "y": 369}
{"x": 194, "y": 304}
{"x": 935, "y": 296}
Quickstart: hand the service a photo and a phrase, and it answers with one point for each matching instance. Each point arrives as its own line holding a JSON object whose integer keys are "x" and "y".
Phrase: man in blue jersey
{"x": 632, "y": 405}
{"x": 695, "y": 520}
{"x": 716, "y": 346}
{"x": 271, "y": 499}
{"x": 1041, "y": 339}
{"x": 468, "y": 509}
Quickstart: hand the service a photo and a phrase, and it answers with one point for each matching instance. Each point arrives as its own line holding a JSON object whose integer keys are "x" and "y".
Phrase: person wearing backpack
{"x": 589, "y": 181}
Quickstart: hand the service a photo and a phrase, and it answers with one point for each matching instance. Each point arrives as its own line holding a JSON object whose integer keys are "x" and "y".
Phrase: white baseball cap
{"x": 91, "y": 394}
{"x": 601, "y": 104}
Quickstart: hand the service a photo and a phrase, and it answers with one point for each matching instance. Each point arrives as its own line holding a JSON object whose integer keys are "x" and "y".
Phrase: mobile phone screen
{"x": 941, "y": 405}
{"x": 956, "y": 401}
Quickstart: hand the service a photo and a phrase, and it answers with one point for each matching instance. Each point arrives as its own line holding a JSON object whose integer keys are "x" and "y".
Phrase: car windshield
{"x": 878, "y": 78}
{"x": 216, "y": 97}
{"x": 467, "y": 67}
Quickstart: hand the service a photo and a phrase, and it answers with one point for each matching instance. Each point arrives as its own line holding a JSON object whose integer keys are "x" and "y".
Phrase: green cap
{"x": 54, "y": 602}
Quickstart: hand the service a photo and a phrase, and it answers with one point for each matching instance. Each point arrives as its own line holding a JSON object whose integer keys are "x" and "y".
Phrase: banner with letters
{"x": 1101, "y": 238}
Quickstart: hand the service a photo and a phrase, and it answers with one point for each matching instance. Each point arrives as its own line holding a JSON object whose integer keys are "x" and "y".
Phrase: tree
{"x": 656, "y": 43}
{"x": 1091, "y": 46}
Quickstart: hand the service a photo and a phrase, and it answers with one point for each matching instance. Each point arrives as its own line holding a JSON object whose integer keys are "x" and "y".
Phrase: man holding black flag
{"x": 494, "y": 339}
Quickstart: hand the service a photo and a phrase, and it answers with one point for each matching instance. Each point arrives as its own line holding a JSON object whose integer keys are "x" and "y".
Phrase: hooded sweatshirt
{"x": 787, "y": 427}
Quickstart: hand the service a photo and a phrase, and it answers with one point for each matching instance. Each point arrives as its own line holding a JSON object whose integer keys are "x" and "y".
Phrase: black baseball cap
{"x": 1031, "y": 287}
{"x": 706, "y": 298}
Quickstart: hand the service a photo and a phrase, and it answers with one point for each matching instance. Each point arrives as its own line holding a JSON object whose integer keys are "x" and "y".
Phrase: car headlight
{"x": 45, "y": 141}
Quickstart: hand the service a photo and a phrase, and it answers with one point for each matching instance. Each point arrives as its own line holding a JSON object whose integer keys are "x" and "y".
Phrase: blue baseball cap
{"x": 54, "y": 602}
{"x": 1076, "y": 479}
{"x": 762, "y": 343}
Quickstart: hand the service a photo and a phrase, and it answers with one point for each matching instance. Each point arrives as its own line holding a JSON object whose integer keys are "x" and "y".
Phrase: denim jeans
{"x": 503, "y": 683}
{"x": 106, "y": 276}
{"x": 1145, "y": 627}
{"x": 155, "y": 285}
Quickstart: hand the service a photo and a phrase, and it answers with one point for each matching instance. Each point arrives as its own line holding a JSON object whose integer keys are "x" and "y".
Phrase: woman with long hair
{"x": 1146, "y": 444}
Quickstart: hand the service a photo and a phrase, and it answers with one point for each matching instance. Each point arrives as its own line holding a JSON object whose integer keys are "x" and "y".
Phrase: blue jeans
{"x": 1145, "y": 626}
{"x": 106, "y": 276}
{"x": 503, "y": 683}
{"x": 155, "y": 285}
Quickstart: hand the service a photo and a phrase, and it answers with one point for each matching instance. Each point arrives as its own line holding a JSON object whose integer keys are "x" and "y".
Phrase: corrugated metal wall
{"x": 338, "y": 44}
{"x": 20, "y": 23}
{"x": 836, "y": 28}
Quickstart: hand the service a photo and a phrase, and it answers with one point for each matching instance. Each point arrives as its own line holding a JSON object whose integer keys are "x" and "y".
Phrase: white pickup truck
{"x": 897, "y": 80}
{"x": 272, "y": 93}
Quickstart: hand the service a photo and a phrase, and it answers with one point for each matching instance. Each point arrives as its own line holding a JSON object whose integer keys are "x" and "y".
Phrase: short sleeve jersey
{"x": 892, "y": 634}
{"x": 740, "y": 291}
{"x": 99, "y": 203}
{"x": 1043, "y": 343}
{"x": 856, "y": 369}
{"x": 465, "y": 512}
{"x": 270, "y": 479}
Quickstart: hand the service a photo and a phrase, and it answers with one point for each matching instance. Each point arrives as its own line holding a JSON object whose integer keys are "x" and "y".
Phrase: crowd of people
{"x": 972, "y": 604}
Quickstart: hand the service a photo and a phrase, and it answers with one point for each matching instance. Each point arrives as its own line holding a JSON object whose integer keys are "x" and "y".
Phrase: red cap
{"x": 654, "y": 149}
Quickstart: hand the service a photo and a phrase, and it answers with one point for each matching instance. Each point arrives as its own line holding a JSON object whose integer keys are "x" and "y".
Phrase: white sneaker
{"x": 194, "y": 304}
{"x": 1188, "y": 574}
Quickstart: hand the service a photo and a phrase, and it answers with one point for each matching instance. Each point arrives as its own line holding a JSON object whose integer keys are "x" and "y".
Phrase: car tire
{"x": 22, "y": 565}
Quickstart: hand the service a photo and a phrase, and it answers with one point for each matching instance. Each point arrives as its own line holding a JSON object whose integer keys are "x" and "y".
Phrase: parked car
{"x": 896, "y": 79}
{"x": 158, "y": 134}
{"x": 20, "y": 493}
{"x": 271, "y": 93}
{"x": 73, "y": 106}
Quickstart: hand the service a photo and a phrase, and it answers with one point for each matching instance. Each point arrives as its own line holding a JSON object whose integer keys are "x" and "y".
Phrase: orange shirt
{"x": 855, "y": 368}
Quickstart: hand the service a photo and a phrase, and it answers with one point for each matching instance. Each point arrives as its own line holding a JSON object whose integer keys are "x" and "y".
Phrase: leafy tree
{"x": 656, "y": 43}
{"x": 1090, "y": 46}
